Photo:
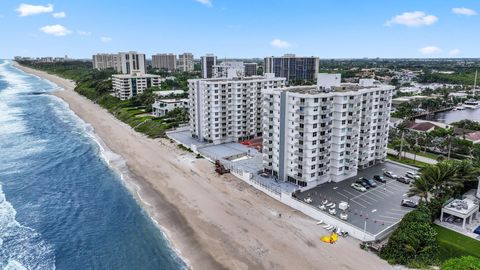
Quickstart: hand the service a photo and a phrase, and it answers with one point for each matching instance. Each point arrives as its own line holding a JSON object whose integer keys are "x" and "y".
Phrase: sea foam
{"x": 21, "y": 247}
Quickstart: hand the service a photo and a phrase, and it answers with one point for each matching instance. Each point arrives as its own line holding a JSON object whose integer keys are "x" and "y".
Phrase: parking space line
{"x": 400, "y": 210}
{"x": 396, "y": 218}
{"x": 385, "y": 221}
{"x": 373, "y": 199}
{"x": 377, "y": 195}
{"x": 354, "y": 195}
{"x": 361, "y": 200}
{"x": 395, "y": 214}
{"x": 387, "y": 189}
{"x": 399, "y": 185}
{"x": 359, "y": 204}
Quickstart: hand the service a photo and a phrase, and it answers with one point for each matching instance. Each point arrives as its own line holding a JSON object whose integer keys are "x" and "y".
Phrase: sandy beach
{"x": 215, "y": 222}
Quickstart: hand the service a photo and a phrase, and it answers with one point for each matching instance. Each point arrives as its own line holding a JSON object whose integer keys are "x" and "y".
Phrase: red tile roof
{"x": 423, "y": 126}
{"x": 473, "y": 136}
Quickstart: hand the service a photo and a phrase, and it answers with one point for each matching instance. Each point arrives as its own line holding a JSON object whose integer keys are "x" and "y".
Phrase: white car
{"x": 358, "y": 187}
{"x": 390, "y": 174}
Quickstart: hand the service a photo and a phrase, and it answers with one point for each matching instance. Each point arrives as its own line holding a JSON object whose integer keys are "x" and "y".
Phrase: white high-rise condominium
{"x": 132, "y": 62}
{"x": 207, "y": 63}
{"x": 103, "y": 61}
{"x": 227, "y": 110}
{"x": 316, "y": 134}
{"x": 185, "y": 62}
{"x": 167, "y": 61}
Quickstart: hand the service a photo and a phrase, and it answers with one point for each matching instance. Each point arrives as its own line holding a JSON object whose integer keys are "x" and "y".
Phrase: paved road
{"x": 411, "y": 156}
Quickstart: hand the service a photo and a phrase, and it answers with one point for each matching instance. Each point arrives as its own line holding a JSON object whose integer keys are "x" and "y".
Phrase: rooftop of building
{"x": 135, "y": 75}
{"x": 291, "y": 55}
{"x": 240, "y": 79}
{"x": 473, "y": 136}
{"x": 172, "y": 100}
{"x": 313, "y": 89}
{"x": 422, "y": 127}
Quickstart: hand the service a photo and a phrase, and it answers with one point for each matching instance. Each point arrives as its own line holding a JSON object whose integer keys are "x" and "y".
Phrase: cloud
{"x": 56, "y": 30}
{"x": 278, "y": 43}
{"x": 105, "y": 39}
{"x": 413, "y": 19}
{"x": 464, "y": 11}
{"x": 430, "y": 50}
{"x": 454, "y": 52}
{"x": 84, "y": 33}
{"x": 59, "y": 15}
{"x": 28, "y": 10}
{"x": 207, "y": 3}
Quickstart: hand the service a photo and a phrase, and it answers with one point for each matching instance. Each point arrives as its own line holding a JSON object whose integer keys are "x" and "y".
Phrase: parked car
{"x": 379, "y": 178}
{"x": 363, "y": 184}
{"x": 408, "y": 203}
{"x": 403, "y": 180}
{"x": 390, "y": 174}
{"x": 358, "y": 187}
{"x": 412, "y": 175}
{"x": 369, "y": 182}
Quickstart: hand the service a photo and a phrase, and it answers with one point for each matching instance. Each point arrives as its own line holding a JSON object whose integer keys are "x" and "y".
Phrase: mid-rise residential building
{"x": 228, "y": 109}
{"x": 185, "y": 62}
{"x": 207, "y": 63}
{"x": 313, "y": 135}
{"x": 103, "y": 61}
{"x": 250, "y": 69}
{"x": 292, "y": 68}
{"x": 166, "y": 93}
{"x": 229, "y": 69}
{"x": 162, "y": 106}
{"x": 167, "y": 61}
{"x": 126, "y": 86}
{"x": 132, "y": 62}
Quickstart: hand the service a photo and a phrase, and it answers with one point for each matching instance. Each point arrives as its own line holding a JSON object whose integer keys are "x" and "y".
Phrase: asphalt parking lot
{"x": 375, "y": 210}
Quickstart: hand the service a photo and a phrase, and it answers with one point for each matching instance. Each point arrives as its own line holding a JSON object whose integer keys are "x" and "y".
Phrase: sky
{"x": 242, "y": 28}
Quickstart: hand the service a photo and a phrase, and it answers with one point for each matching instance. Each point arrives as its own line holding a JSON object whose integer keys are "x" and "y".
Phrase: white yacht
{"x": 471, "y": 104}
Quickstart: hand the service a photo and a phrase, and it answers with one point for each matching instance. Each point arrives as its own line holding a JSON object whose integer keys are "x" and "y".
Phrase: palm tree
{"x": 415, "y": 149}
{"x": 441, "y": 176}
{"x": 422, "y": 187}
{"x": 402, "y": 127}
{"x": 465, "y": 171}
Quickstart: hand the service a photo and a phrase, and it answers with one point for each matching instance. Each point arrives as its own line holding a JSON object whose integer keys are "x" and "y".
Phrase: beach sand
{"x": 214, "y": 222}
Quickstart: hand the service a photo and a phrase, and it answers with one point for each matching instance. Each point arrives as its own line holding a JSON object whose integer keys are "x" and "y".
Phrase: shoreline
{"x": 129, "y": 179}
{"x": 213, "y": 222}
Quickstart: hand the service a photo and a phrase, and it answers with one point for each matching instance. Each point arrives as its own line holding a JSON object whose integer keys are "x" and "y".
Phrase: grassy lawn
{"x": 407, "y": 161}
{"x": 428, "y": 155}
{"x": 453, "y": 244}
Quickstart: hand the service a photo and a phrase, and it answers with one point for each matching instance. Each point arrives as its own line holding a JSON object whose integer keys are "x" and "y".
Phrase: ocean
{"x": 61, "y": 205}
